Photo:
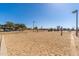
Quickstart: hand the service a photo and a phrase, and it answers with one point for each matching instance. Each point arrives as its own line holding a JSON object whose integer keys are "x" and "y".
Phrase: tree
{"x": 0, "y": 26}
{"x": 20, "y": 27}
{"x": 72, "y": 29}
{"x": 9, "y": 25}
{"x": 50, "y": 30}
{"x": 36, "y": 28}
{"x": 58, "y": 28}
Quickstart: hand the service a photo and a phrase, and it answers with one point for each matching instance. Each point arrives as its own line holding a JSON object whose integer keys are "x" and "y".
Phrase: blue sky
{"x": 46, "y": 15}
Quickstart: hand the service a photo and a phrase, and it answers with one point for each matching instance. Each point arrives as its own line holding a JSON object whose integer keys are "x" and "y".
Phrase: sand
{"x": 38, "y": 43}
{"x": 76, "y": 42}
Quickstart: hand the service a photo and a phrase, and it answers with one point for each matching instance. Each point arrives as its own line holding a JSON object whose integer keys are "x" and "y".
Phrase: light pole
{"x": 61, "y": 30}
{"x": 33, "y": 25}
{"x": 76, "y": 11}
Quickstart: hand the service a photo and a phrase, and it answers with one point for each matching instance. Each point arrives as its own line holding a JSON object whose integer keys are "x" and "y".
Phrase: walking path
{"x": 73, "y": 46}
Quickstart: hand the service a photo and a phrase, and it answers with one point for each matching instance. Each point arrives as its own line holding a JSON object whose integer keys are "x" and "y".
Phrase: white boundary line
{"x": 73, "y": 46}
{"x": 3, "y": 47}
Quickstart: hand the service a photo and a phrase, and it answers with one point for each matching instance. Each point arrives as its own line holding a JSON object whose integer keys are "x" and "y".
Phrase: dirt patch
{"x": 38, "y": 43}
